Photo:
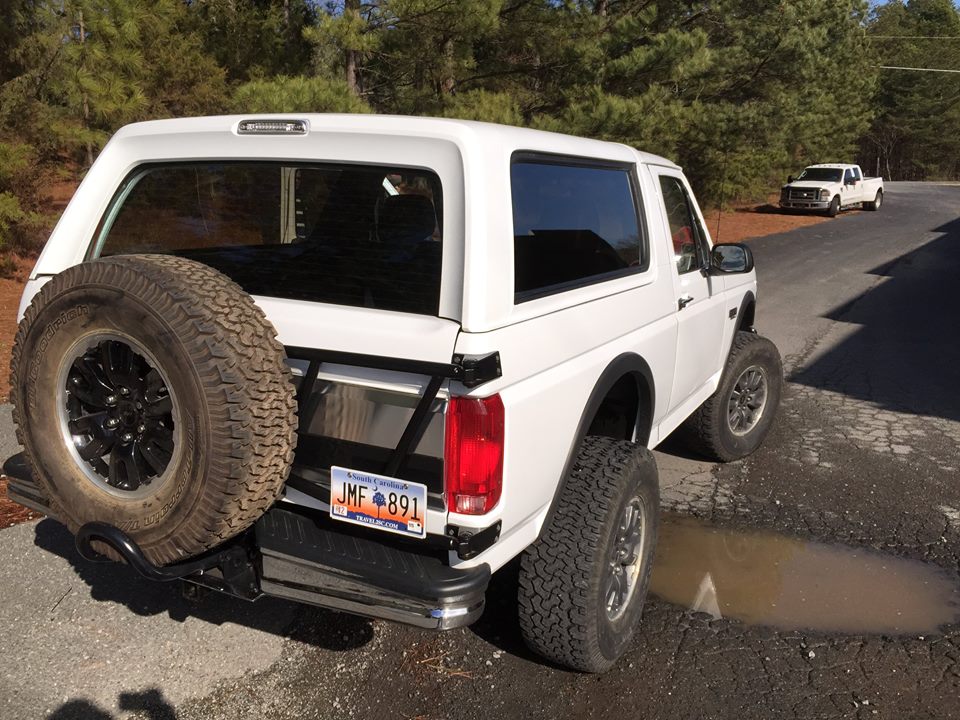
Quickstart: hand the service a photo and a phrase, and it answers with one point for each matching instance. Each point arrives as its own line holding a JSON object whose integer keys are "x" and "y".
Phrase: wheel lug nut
{"x": 124, "y": 391}
{"x": 111, "y": 399}
{"x": 112, "y": 422}
{"x": 126, "y": 437}
{"x": 141, "y": 428}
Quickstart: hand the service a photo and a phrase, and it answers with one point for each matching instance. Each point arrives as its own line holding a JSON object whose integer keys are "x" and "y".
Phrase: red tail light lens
{"x": 473, "y": 458}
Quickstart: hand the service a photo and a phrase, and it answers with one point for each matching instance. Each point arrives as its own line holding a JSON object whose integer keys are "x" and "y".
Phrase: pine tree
{"x": 916, "y": 135}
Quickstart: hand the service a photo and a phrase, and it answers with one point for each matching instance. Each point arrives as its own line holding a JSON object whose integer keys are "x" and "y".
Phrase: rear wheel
{"x": 150, "y": 393}
{"x": 877, "y": 202}
{"x": 583, "y": 582}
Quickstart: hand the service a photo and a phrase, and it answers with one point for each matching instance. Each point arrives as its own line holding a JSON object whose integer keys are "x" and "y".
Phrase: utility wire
{"x": 914, "y": 37}
{"x": 896, "y": 67}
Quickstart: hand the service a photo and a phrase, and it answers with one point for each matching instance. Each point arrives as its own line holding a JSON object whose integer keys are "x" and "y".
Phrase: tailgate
{"x": 372, "y": 388}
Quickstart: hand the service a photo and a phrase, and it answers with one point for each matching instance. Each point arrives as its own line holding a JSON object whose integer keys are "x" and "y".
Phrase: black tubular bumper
{"x": 306, "y": 561}
{"x": 298, "y": 557}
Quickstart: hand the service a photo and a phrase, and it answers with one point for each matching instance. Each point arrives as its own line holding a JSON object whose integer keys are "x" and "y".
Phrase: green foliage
{"x": 916, "y": 135}
{"x": 740, "y": 92}
{"x": 486, "y": 106}
{"x": 253, "y": 39}
{"x": 296, "y": 94}
{"x": 20, "y": 222}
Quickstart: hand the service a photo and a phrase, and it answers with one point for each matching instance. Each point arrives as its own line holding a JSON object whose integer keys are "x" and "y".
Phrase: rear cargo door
{"x": 346, "y": 260}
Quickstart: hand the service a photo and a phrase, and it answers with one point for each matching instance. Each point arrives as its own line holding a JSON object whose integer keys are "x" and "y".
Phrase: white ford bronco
{"x": 363, "y": 362}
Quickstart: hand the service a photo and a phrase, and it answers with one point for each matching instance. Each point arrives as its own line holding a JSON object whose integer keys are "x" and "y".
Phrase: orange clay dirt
{"x": 736, "y": 225}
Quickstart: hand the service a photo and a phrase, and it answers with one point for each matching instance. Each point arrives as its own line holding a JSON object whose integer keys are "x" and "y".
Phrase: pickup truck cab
{"x": 364, "y": 362}
{"x": 830, "y": 188}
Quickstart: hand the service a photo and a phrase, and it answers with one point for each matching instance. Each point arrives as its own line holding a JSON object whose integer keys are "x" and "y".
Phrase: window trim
{"x": 546, "y": 158}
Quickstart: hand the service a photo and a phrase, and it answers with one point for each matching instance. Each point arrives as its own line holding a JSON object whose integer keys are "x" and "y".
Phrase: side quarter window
{"x": 690, "y": 247}
{"x": 574, "y": 223}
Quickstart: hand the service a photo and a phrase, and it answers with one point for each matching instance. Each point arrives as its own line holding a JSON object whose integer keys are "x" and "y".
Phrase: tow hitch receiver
{"x": 229, "y": 570}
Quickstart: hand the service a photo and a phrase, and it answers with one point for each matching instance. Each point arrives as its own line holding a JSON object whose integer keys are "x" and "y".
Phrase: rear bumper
{"x": 306, "y": 558}
{"x": 308, "y": 561}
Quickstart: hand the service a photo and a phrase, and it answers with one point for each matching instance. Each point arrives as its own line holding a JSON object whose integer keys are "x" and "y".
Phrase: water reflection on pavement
{"x": 766, "y": 579}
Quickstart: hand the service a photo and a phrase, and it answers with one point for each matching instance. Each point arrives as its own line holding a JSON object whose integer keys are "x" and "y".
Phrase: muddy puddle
{"x": 782, "y": 582}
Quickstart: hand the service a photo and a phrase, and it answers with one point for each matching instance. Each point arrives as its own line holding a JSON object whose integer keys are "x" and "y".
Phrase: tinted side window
{"x": 348, "y": 235}
{"x": 689, "y": 241}
{"x": 572, "y": 224}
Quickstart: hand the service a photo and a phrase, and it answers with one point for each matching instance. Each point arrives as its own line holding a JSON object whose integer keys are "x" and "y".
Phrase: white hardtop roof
{"x": 504, "y": 137}
{"x": 833, "y": 166}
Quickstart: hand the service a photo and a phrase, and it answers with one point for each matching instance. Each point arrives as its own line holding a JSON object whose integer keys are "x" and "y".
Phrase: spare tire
{"x": 151, "y": 393}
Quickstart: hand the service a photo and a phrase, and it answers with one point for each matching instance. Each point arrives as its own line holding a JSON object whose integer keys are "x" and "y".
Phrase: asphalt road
{"x": 864, "y": 455}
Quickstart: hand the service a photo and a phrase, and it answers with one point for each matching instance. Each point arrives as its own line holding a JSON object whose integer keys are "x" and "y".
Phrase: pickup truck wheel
{"x": 834, "y": 208}
{"x": 877, "y": 202}
{"x": 150, "y": 393}
{"x": 583, "y": 582}
{"x": 734, "y": 421}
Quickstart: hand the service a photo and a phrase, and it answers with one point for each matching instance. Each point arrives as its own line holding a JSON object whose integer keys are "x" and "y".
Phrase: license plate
{"x": 379, "y": 502}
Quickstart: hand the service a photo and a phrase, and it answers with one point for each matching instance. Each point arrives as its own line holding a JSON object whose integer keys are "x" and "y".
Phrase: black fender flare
{"x": 746, "y": 314}
{"x": 626, "y": 364}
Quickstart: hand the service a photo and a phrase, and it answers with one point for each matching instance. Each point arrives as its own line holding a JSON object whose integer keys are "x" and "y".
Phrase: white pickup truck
{"x": 830, "y": 188}
{"x": 363, "y": 362}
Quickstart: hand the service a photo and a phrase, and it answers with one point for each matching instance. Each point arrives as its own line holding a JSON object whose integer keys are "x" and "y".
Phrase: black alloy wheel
{"x": 118, "y": 415}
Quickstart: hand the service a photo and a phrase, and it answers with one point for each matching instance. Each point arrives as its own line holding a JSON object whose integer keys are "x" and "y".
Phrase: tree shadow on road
{"x": 117, "y": 583}
{"x": 905, "y": 356}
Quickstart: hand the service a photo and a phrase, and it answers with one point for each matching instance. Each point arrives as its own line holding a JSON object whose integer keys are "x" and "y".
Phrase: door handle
{"x": 683, "y": 301}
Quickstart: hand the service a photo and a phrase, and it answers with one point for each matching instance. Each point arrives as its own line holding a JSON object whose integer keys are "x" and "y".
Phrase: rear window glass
{"x": 343, "y": 234}
{"x": 573, "y": 224}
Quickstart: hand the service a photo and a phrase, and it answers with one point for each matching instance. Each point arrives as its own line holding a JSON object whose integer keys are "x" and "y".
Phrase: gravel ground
{"x": 865, "y": 454}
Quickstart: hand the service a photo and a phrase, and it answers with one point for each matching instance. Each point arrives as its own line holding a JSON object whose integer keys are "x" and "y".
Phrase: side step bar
{"x": 305, "y": 561}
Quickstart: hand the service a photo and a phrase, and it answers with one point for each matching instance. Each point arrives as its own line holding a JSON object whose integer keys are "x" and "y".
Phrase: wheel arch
{"x": 747, "y": 313}
{"x": 627, "y": 373}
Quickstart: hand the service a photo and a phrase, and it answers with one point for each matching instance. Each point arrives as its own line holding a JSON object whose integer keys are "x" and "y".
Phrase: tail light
{"x": 473, "y": 457}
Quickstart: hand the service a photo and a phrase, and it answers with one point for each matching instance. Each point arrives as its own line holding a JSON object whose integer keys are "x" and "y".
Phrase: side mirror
{"x": 790, "y": 179}
{"x": 730, "y": 259}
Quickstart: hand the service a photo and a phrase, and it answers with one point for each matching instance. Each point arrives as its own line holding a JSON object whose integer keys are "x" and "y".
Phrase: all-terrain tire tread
{"x": 556, "y": 599}
{"x": 245, "y": 382}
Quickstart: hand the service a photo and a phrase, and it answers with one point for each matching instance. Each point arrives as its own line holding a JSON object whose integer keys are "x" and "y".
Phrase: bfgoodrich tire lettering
{"x": 563, "y": 604}
{"x": 234, "y": 427}
{"x": 709, "y": 430}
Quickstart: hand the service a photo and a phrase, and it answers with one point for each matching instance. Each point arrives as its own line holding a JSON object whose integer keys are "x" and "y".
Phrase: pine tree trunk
{"x": 352, "y": 73}
{"x": 84, "y": 100}
{"x": 601, "y": 7}
{"x": 447, "y": 80}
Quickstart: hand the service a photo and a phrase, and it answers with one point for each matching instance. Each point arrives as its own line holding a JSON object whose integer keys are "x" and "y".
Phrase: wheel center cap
{"x": 128, "y": 413}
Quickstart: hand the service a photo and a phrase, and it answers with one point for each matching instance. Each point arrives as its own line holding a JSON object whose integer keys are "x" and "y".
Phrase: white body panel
{"x": 553, "y": 349}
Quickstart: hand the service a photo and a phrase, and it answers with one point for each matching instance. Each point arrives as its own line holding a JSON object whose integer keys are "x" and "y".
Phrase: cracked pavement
{"x": 865, "y": 453}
